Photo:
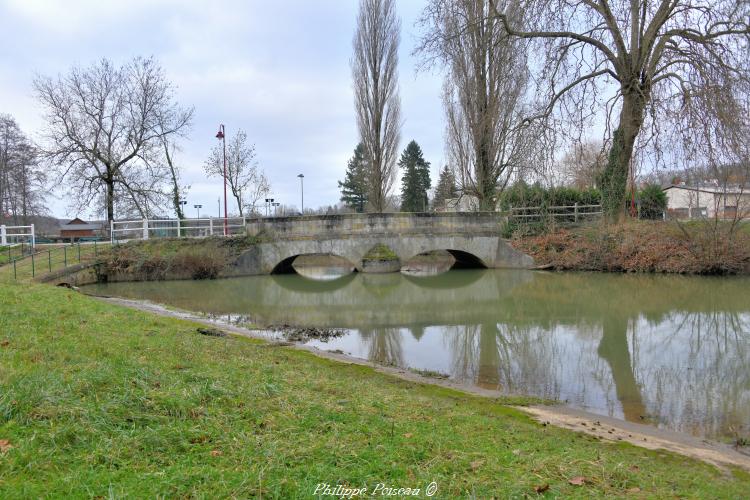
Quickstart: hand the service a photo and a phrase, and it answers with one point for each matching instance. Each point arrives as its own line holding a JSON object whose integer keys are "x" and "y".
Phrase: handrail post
{"x": 210, "y": 225}
{"x": 49, "y": 259}
{"x": 145, "y": 229}
{"x": 33, "y": 237}
{"x": 65, "y": 256}
{"x": 179, "y": 231}
{"x": 33, "y": 266}
{"x": 3, "y": 235}
{"x": 112, "y": 232}
{"x": 79, "y": 252}
{"x": 576, "y": 211}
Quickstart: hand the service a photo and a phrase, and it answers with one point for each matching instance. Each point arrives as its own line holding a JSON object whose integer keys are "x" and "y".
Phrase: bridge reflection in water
{"x": 669, "y": 350}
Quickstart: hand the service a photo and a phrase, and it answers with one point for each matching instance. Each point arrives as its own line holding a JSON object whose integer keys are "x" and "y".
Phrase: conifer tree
{"x": 416, "y": 179}
{"x": 446, "y": 188}
{"x": 354, "y": 187}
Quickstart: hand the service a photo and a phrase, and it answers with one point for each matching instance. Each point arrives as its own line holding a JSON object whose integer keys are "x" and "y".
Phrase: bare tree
{"x": 378, "y": 107}
{"x": 484, "y": 95}
{"x": 245, "y": 178}
{"x": 104, "y": 130}
{"x": 641, "y": 60}
{"x": 583, "y": 164}
{"x": 22, "y": 181}
{"x": 169, "y": 149}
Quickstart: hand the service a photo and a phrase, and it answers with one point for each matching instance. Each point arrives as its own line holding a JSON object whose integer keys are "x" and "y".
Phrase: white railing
{"x": 13, "y": 235}
{"x": 145, "y": 229}
{"x": 571, "y": 213}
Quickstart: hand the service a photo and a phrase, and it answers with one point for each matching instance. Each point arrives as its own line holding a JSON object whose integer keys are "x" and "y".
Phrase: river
{"x": 671, "y": 351}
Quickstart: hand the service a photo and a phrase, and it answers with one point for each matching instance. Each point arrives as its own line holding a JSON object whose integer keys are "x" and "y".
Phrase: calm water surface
{"x": 672, "y": 351}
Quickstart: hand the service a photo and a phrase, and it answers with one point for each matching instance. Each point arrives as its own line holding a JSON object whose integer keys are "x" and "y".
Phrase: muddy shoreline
{"x": 601, "y": 427}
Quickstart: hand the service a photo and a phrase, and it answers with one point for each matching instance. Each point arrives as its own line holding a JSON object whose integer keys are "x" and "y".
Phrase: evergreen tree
{"x": 416, "y": 179}
{"x": 446, "y": 188}
{"x": 354, "y": 186}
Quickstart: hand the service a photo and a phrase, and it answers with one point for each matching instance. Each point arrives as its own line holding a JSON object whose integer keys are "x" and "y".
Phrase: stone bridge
{"x": 472, "y": 238}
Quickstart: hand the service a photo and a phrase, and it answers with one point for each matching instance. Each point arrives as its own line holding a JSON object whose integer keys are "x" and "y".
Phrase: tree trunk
{"x": 110, "y": 183}
{"x": 615, "y": 176}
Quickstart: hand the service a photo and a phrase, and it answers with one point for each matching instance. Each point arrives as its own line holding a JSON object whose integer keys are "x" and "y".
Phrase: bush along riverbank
{"x": 171, "y": 258}
{"x": 707, "y": 247}
{"x": 101, "y": 401}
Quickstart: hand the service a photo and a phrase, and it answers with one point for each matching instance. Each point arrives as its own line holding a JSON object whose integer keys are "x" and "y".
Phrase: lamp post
{"x": 276, "y": 208}
{"x": 182, "y": 204}
{"x": 266, "y": 207}
{"x": 302, "y": 191}
{"x": 221, "y": 136}
{"x": 198, "y": 207}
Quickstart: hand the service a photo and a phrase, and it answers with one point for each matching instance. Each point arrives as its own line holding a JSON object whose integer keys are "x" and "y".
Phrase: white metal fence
{"x": 145, "y": 229}
{"x": 13, "y": 235}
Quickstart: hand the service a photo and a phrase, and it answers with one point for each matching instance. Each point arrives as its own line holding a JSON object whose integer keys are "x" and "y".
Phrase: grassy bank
{"x": 98, "y": 400}
{"x": 643, "y": 246}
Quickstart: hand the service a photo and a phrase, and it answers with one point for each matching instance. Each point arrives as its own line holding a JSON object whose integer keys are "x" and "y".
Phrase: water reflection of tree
{"x": 384, "y": 345}
{"x": 704, "y": 387}
{"x": 613, "y": 348}
{"x": 515, "y": 359}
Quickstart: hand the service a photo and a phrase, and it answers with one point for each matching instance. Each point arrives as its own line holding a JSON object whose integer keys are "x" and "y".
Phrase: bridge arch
{"x": 466, "y": 260}
{"x": 286, "y": 265}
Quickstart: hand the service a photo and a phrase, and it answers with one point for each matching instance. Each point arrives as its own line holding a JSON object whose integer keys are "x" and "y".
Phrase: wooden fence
{"x": 572, "y": 214}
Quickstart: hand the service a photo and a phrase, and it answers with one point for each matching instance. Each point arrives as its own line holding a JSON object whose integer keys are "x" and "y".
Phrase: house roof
{"x": 79, "y": 225}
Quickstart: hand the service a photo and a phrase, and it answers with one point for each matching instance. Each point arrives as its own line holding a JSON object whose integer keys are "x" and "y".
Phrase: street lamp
{"x": 220, "y": 135}
{"x": 182, "y": 204}
{"x": 302, "y": 191}
{"x": 198, "y": 207}
{"x": 276, "y": 208}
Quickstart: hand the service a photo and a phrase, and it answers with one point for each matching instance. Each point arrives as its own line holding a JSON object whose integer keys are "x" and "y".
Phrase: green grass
{"x": 102, "y": 401}
{"x": 380, "y": 252}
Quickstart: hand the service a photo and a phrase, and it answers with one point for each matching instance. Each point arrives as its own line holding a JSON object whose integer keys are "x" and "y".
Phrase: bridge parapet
{"x": 348, "y": 225}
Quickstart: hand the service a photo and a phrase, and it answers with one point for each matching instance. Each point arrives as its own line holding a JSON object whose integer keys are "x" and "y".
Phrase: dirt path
{"x": 607, "y": 428}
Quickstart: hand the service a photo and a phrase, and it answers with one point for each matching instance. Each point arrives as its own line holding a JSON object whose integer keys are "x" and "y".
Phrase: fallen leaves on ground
{"x": 577, "y": 481}
{"x": 5, "y": 445}
{"x": 541, "y": 489}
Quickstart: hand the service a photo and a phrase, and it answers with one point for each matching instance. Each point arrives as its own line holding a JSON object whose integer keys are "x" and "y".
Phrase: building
{"x": 707, "y": 201}
{"x": 77, "y": 229}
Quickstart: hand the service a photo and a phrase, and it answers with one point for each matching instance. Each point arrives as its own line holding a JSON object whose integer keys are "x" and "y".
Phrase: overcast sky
{"x": 279, "y": 70}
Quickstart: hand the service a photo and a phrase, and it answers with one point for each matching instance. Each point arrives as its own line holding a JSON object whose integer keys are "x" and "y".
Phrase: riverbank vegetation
{"x": 98, "y": 400}
{"x": 699, "y": 247}
{"x": 173, "y": 258}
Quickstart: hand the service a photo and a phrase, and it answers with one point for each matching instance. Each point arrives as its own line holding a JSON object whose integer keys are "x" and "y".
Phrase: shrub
{"x": 200, "y": 263}
{"x": 523, "y": 195}
{"x": 653, "y": 202}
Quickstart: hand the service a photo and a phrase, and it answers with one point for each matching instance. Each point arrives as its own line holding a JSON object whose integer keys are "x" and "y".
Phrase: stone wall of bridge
{"x": 352, "y": 236}
{"x": 348, "y": 225}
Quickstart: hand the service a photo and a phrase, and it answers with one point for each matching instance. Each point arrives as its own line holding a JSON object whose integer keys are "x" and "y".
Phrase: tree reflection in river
{"x": 671, "y": 350}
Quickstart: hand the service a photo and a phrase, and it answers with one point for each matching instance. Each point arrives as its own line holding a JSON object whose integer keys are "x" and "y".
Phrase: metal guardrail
{"x": 145, "y": 229}
{"x": 58, "y": 257}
